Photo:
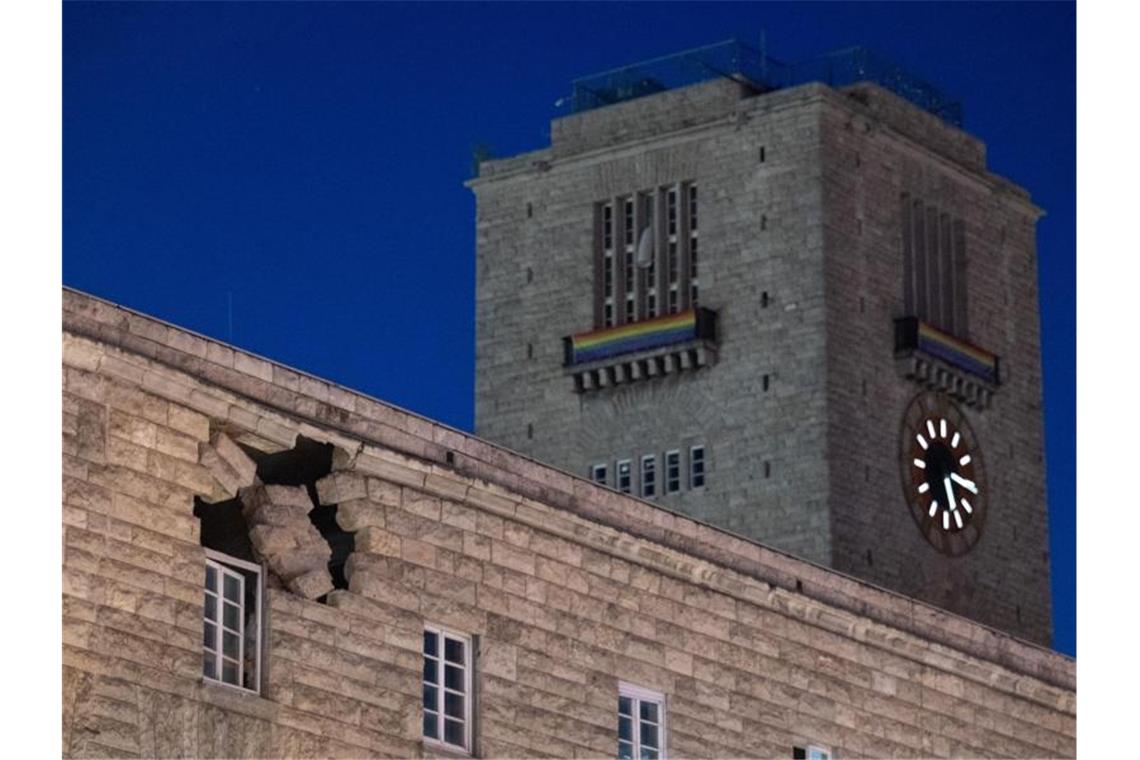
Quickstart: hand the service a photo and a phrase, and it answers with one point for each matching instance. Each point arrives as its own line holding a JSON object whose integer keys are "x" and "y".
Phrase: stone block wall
{"x": 800, "y": 414}
{"x": 756, "y": 163}
{"x": 567, "y": 589}
{"x": 1004, "y": 580}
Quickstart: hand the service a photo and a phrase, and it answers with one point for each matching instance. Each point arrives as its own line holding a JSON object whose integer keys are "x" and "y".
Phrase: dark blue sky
{"x": 308, "y": 159}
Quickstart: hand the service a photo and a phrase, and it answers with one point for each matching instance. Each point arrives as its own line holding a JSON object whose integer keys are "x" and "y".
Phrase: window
{"x": 608, "y": 265}
{"x": 811, "y": 752}
{"x": 624, "y": 476}
{"x": 693, "y": 282}
{"x": 630, "y": 271}
{"x": 672, "y": 471}
{"x": 649, "y": 201}
{"x": 673, "y": 252}
{"x": 697, "y": 467}
{"x": 645, "y": 254}
{"x": 934, "y": 266}
{"x": 598, "y": 474}
{"x": 641, "y": 724}
{"x": 447, "y": 689}
{"x": 231, "y": 638}
{"x": 649, "y": 476}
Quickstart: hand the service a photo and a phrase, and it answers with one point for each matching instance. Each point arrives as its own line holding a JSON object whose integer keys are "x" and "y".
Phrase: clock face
{"x": 942, "y": 474}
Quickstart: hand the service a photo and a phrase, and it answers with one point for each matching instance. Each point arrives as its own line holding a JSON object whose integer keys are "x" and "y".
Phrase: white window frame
{"x": 650, "y": 459}
{"x": 603, "y": 469}
{"x": 223, "y": 564}
{"x": 468, "y": 660}
{"x": 816, "y": 752}
{"x": 704, "y": 467}
{"x": 639, "y": 694}
{"x": 672, "y": 486}
{"x": 629, "y": 476}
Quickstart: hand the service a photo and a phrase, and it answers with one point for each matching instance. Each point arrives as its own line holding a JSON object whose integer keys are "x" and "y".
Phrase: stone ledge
{"x": 640, "y": 366}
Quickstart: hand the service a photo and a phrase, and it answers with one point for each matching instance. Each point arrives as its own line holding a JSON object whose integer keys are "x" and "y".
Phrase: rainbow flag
{"x": 639, "y": 336}
{"x": 958, "y": 352}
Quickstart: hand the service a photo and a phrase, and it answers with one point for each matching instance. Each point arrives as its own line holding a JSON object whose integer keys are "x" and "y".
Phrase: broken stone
{"x": 291, "y": 564}
{"x": 270, "y": 540}
{"x": 341, "y": 486}
{"x": 227, "y": 463}
{"x": 315, "y": 583}
{"x": 264, "y": 513}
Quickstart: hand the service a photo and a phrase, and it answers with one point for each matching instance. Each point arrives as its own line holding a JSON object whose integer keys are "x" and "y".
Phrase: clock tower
{"x": 800, "y": 309}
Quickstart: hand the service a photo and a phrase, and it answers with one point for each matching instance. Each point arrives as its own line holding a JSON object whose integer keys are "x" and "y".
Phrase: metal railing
{"x": 739, "y": 62}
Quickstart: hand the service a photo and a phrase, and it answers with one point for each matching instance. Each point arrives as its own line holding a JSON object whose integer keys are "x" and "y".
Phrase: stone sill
{"x": 643, "y": 365}
{"x": 934, "y": 374}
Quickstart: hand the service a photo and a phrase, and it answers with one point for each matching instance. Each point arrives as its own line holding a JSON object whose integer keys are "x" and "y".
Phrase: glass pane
{"x": 209, "y": 665}
{"x": 624, "y": 706}
{"x": 231, "y": 616}
{"x": 431, "y": 697}
{"x": 230, "y": 644}
{"x": 230, "y": 672}
{"x": 648, "y": 735}
{"x": 431, "y": 643}
{"x": 210, "y": 636}
{"x": 453, "y": 732}
{"x": 649, "y": 711}
{"x": 210, "y": 605}
{"x": 431, "y": 670}
{"x": 648, "y": 754}
{"x": 232, "y": 588}
{"x": 453, "y": 678}
{"x": 453, "y": 705}
{"x": 211, "y": 578}
{"x": 453, "y": 650}
{"x": 625, "y": 728}
{"x": 625, "y": 751}
{"x": 431, "y": 727}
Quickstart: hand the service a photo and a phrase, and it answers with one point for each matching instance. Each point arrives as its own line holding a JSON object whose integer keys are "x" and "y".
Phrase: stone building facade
{"x": 386, "y": 578}
{"x": 828, "y": 217}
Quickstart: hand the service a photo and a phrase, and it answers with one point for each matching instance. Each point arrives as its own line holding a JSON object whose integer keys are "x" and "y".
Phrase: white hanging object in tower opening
{"x": 645, "y": 248}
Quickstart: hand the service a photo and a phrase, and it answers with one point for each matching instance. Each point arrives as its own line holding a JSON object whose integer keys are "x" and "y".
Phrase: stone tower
{"x": 802, "y": 312}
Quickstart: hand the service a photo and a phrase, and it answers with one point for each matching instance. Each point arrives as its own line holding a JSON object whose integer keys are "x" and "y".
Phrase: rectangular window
{"x": 608, "y": 265}
{"x": 447, "y": 689}
{"x": 934, "y": 267}
{"x": 608, "y": 226}
{"x": 697, "y": 467}
{"x": 673, "y": 252}
{"x": 694, "y": 283}
{"x": 672, "y": 471}
{"x": 648, "y": 476}
{"x": 630, "y": 283}
{"x": 810, "y": 753}
{"x": 598, "y": 474}
{"x": 650, "y": 200}
{"x": 629, "y": 286}
{"x": 641, "y": 724}
{"x": 231, "y": 638}
{"x": 624, "y": 476}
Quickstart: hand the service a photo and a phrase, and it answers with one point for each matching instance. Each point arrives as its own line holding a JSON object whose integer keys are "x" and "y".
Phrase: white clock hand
{"x": 967, "y": 484}
{"x": 949, "y": 493}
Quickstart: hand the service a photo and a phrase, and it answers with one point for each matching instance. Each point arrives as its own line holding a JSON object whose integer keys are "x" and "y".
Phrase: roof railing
{"x": 739, "y": 62}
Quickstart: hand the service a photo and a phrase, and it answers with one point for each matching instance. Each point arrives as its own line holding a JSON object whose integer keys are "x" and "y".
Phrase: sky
{"x": 288, "y": 177}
